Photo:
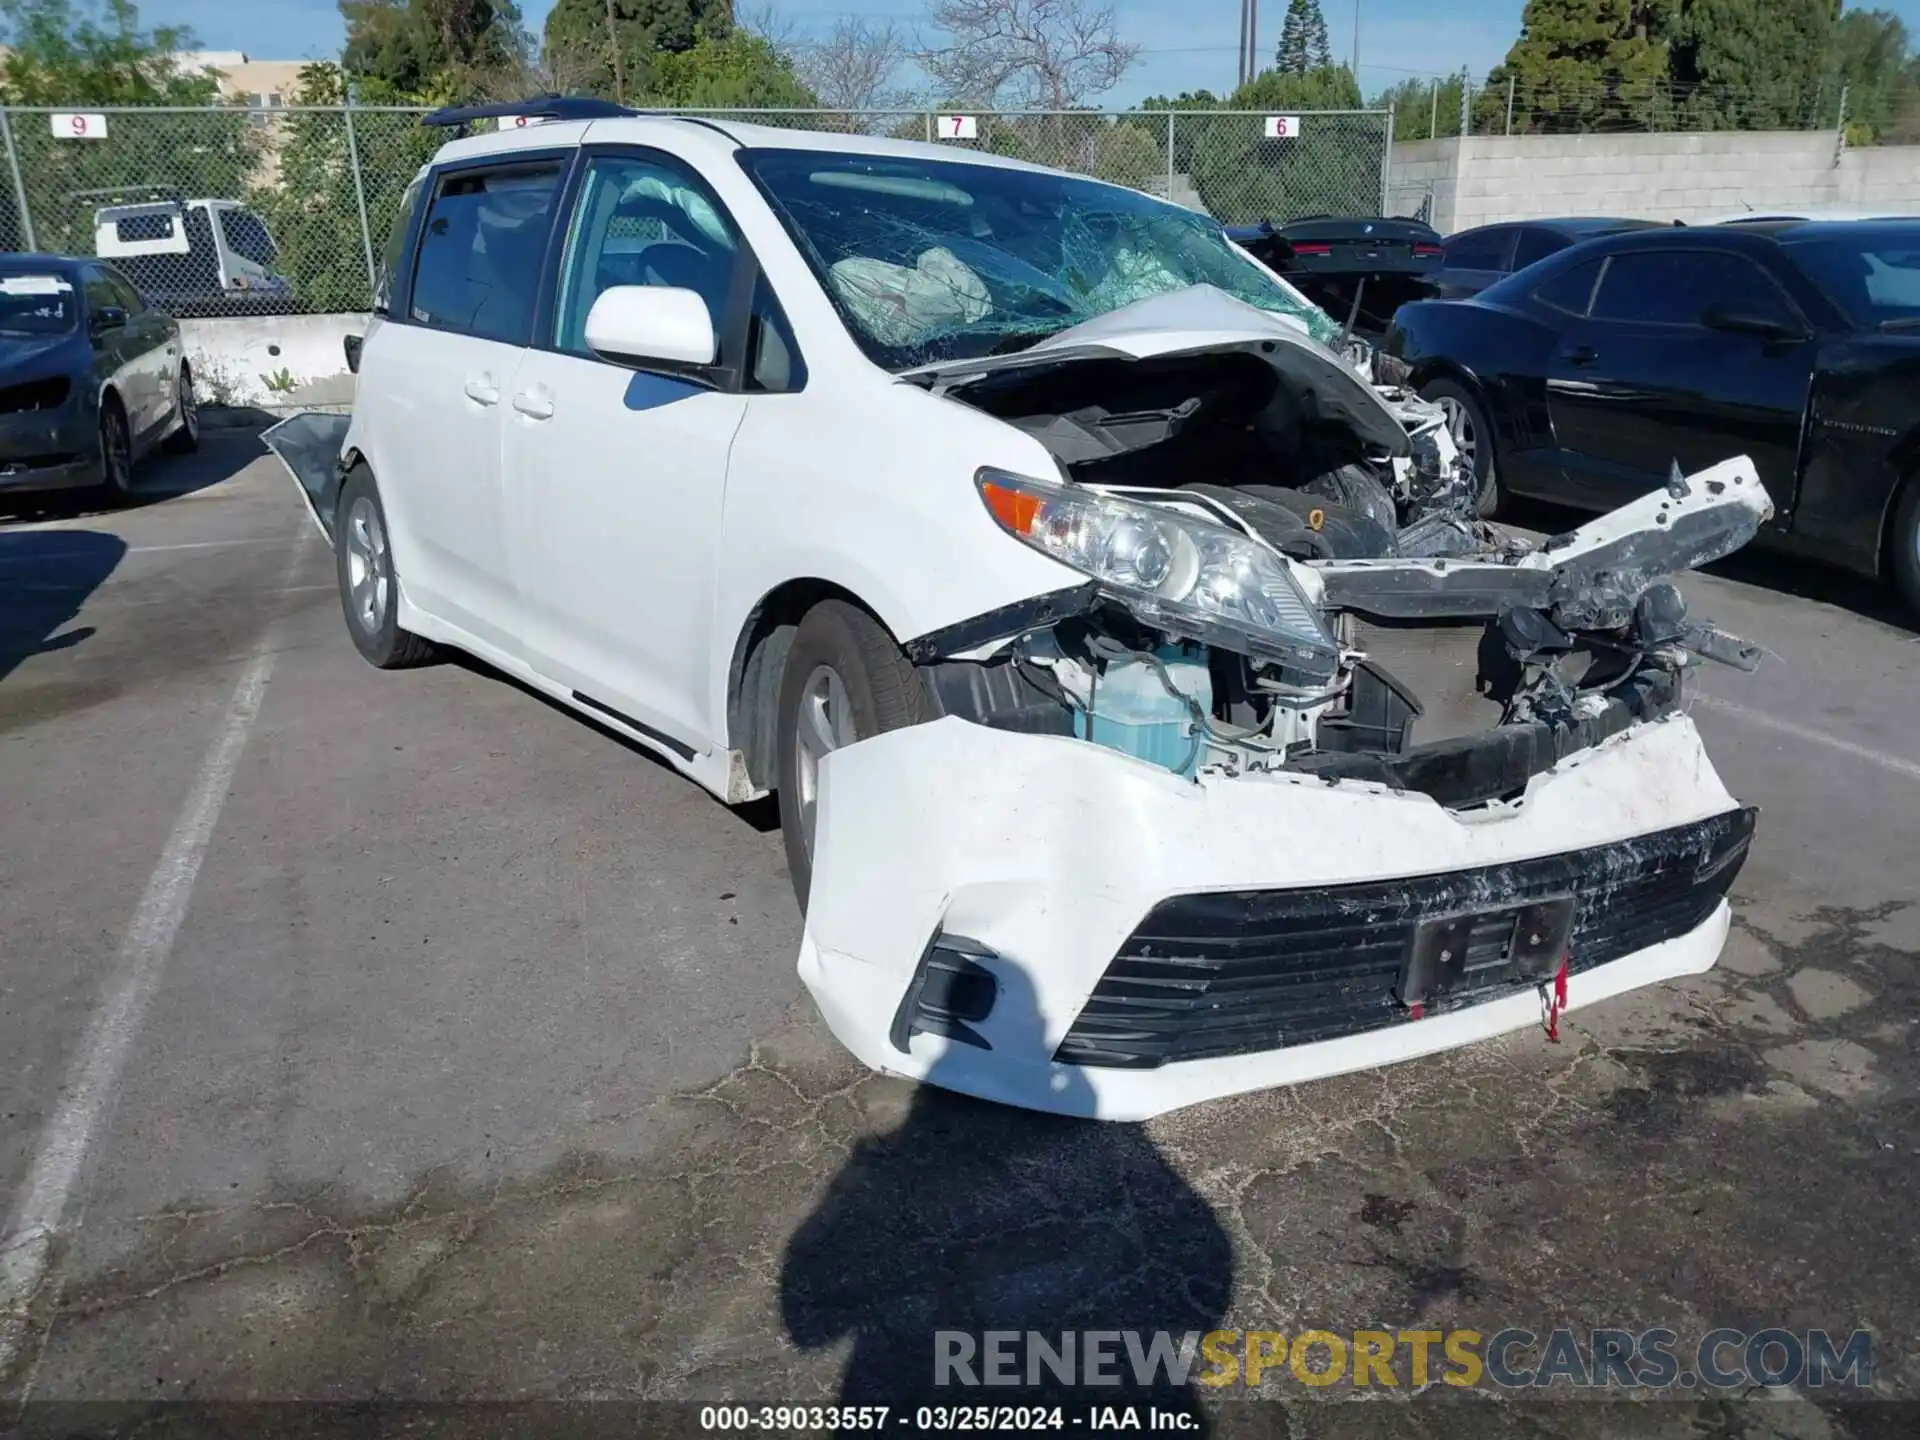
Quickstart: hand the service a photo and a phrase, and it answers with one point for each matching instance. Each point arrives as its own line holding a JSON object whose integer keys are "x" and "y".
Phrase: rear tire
{"x": 369, "y": 588}
{"x": 1472, "y": 436}
{"x": 1904, "y": 547}
{"x": 186, "y": 439}
{"x": 845, "y": 680}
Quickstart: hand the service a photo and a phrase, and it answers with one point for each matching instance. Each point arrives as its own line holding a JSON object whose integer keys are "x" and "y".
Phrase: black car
{"x": 1356, "y": 268}
{"x": 1586, "y": 377}
{"x": 1487, "y": 254}
{"x": 91, "y": 377}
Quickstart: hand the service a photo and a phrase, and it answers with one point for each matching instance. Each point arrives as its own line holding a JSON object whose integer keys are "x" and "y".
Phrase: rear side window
{"x": 478, "y": 270}
{"x": 1569, "y": 289}
{"x": 1536, "y": 245}
{"x": 1677, "y": 287}
{"x": 136, "y": 228}
{"x": 246, "y": 235}
{"x": 394, "y": 254}
{"x": 1480, "y": 250}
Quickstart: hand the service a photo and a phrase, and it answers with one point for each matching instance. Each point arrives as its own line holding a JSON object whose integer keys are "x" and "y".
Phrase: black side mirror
{"x": 1746, "y": 322}
{"x": 108, "y": 317}
{"x": 351, "y": 344}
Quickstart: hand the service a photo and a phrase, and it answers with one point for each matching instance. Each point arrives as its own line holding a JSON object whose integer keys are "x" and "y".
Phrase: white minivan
{"x": 1150, "y": 715}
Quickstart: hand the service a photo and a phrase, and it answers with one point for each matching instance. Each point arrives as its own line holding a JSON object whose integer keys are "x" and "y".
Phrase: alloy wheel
{"x": 369, "y": 568}
{"x": 824, "y": 724}
{"x": 1460, "y": 427}
{"x": 116, "y": 453}
{"x": 189, "y": 408}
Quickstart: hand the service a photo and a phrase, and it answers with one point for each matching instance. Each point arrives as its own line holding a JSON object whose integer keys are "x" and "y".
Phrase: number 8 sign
{"x": 69, "y": 125}
{"x": 1283, "y": 127}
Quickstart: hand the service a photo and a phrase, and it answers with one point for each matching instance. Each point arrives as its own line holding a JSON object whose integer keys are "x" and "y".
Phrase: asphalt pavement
{"x": 403, "y": 1036}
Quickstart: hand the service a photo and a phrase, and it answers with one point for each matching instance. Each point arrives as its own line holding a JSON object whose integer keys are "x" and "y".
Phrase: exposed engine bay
{"x": 1437, "y": 652}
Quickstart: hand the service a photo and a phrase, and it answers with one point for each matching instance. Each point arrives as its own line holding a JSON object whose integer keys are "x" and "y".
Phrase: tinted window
{"x": 478, "y": 270}
{"x": 1480, "y": 250}
{"x": 246, "y": 235}
{"x": 1568, "y": 289}
{"x": 99, "y": 289}
{"x": 144, "y": 227}
{"x": 124, "y": 294}
{"x": 1536, "y": 245}
{"x": 393, "y": 256}
{"x": 1677, "y": 287}
{"x": 642, "y": 222}
{"x": 1872, "y": 273}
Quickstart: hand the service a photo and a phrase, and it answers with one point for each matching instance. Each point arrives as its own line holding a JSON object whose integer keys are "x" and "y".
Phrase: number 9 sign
{"x": 1282, "y": 127}
{"x": 72, "y": 125}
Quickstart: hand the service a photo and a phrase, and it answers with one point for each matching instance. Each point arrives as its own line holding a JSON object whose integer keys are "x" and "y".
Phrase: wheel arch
{"x": 758, "y": 662}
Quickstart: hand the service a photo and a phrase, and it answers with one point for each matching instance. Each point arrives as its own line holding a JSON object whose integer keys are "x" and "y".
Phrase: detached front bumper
{"x": 1047, "y": 923}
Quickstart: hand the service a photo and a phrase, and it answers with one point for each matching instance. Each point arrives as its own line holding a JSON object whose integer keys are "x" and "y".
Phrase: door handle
{"x": 482, "y": 390}
{"x": 533, "y": 405}
{"x": 1581, "y": 355}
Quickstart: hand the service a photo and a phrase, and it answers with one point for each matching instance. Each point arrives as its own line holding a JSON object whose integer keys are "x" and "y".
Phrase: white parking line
{"x": 1895, "y": 763}
{"x": 28, "y": 1246}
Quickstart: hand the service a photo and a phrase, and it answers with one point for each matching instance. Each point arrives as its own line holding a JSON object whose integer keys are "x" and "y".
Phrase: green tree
{"x": 1753, "y": 64}
{"x": 1872, "y": 58}
{"x": 615, "y": 48}
{"x": 1333, "y": 166}
{"x": 1294, "y": 55}
{"x": 1423, "y": 109}
{"x": 448, "y": 48}
{"x": 1585, "y": 65}
{"x": 309, "y": 201}
{"x": 63, "y": 53}
{"x": 741, "y": 71}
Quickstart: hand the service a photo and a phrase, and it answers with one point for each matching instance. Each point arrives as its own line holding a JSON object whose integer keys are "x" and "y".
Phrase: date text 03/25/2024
{"x": 975, "y": 1419}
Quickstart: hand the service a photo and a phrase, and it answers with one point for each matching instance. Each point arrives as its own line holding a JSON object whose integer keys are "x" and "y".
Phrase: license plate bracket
{"x": 1485, "y": 949}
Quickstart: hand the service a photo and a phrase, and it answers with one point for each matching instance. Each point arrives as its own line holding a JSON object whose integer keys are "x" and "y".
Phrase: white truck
{"x": 189, "y": 256}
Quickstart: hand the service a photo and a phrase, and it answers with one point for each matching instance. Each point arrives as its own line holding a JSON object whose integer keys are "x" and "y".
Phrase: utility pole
{"x": 1356, "y": 43}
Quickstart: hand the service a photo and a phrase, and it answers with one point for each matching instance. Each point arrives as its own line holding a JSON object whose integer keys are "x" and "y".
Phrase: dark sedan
{"x": 1473, "y": 259}
{"x": 90, "y": 377}
{"x": 1586, "y": 377}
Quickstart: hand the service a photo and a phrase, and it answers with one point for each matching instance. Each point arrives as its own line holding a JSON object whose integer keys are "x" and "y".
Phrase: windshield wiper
{"x": 1901, "y": 322}
{"x": 1019, "y": 340}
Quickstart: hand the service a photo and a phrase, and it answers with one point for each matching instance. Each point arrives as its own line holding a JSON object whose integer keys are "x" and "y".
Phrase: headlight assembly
{"x": 1187, "y": 576}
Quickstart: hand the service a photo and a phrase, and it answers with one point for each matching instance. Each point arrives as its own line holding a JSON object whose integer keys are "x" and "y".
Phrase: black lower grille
{"x": 1244, "y": 971}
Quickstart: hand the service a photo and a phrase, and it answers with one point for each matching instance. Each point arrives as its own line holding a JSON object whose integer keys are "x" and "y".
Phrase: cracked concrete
{"x": 480, "y": 1071}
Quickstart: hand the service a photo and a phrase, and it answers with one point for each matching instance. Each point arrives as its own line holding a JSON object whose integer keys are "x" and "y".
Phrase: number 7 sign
{"x": 958, "y": 127}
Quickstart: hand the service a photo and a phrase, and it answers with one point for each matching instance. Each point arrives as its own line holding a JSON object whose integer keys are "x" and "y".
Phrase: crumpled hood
{"x": 1196, "y": 321}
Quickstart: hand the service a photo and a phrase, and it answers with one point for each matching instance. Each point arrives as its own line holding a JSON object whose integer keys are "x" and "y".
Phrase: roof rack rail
{"x": 541, "y": 107}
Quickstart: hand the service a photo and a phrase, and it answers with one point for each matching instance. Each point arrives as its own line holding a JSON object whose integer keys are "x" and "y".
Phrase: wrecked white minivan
{"x": 1151, "y": 715}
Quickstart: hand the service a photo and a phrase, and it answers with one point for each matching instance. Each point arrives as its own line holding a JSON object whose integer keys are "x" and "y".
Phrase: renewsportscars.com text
{"x": 1657, "y": 1358}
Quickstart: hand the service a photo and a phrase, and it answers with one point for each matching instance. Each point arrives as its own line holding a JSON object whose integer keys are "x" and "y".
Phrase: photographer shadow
{"x": 974, "y": 1217}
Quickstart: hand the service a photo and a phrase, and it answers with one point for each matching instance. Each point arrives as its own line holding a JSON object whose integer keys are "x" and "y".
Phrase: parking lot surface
{"x": 402, "y": 1035}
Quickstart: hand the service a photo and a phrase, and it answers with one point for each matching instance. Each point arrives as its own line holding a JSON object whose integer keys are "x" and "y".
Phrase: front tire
{"x": 1904, "y": 545}
{"x": 186, "y": 439}
{"x": 1472, "y": 436}
{"x": 369, "y": 589}
{"x": 845, "y": 680}
{"x": 116, "y": 453}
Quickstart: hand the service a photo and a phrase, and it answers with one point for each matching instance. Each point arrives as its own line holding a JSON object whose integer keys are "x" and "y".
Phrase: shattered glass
{"x": 931, "y": 260}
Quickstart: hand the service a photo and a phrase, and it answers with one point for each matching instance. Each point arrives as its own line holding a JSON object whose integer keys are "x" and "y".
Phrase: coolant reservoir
{"x": 1133, "y": 712}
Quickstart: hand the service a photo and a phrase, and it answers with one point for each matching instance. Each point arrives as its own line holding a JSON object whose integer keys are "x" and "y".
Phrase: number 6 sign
{"x": 1283, "y": 127}
{"x": 69, "y": 125}
{"x": 958, "y": 127}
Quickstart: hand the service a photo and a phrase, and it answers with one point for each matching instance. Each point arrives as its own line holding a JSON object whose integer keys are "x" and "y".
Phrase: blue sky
{"x": 1185, "y": 45}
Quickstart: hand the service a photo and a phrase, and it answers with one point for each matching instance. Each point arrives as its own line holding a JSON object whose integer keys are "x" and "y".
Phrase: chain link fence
{"x": 233, "y": 211}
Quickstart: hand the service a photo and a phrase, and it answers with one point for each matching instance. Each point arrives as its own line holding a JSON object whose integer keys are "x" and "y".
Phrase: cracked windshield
{"x": 931, "y": 261}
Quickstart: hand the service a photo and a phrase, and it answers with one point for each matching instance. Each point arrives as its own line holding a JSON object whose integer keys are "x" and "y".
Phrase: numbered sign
{"x": 69, "y": 125}
{"x": 1282, "y": 127}
{"x": 521, "y": 122}
{"x": 958, "y": 127}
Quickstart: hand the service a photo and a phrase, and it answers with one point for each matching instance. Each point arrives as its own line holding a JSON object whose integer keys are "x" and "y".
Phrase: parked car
{"x": 1487, "y": 254}
{"x": 91, "y": 377}
{"x": 196, "y": 257}
{"x": 1587, "y": 377}
{"x": 1030, "y": 542}
{"x": 1360, "y": 269}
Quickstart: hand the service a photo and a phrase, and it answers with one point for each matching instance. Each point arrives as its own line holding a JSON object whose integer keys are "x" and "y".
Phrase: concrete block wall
{"x": 1654, "y": 177}
{"x": 271, "y": 362}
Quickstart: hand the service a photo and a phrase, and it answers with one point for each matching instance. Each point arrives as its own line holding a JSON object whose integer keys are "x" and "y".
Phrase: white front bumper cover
{"x": 1050, "y": 851}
